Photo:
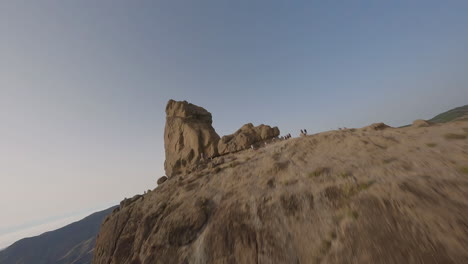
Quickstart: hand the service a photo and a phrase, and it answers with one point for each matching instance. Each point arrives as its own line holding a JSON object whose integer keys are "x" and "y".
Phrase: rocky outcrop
{"x": 376, "y": 126}
{"x": 161, "y": 180}
{"x": 188, "y": 137}
{"x": 421, "y": 123}
{"x": 245, "y": 137}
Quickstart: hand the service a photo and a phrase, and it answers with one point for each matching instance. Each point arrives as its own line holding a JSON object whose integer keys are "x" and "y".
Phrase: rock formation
{"x": 246, "y": 136}
{"x": 188, "y": 137}
{"x": 161, "y": 180}
{"x": 376, "y": 126}
{"x": 421, "y": 123}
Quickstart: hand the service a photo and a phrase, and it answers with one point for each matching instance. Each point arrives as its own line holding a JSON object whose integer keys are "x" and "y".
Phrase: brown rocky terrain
{"x": 371, "y": 195}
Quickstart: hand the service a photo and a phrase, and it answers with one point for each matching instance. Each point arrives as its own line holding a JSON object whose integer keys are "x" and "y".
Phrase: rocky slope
{"x": 371, "y": 195}
{"x": 73, "y": 243}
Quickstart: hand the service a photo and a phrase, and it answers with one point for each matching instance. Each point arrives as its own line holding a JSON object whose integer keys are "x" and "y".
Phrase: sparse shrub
{"x": 319, "y": 171}
{"x": 326, "y": 245}
{"x": 366, "y": 185}
{"x": 464, "y": 170}
{"x": 465, "y": 128}
{"x": 291, "y": 204}
{"x": 276, "y": 156}
{"x": 386, "y": 161}
{"x": 271, "y": 183}
{"x": 279, "y": 166}
{"x": 345, "y": 175}
{"x": 353, "y": 214}
{"x": 290, "y": 182}
{"x": 234, "y": 164}
{"x": 454, "y": 136}
{"x": 350, "y": 190}
{"x": 431, "y": 145}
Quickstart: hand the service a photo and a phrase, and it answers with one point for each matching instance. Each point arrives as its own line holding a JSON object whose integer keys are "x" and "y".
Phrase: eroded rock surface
{"x": 188, "y": 137}
{"x": 245, "y": 137}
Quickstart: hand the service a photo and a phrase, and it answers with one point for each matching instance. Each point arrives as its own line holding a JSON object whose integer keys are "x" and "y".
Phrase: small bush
{"x": 454, "y": 136}
{"x": 431, "y": 145}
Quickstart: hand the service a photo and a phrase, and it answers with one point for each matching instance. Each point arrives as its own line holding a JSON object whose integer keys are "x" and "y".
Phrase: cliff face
{"x": 372, "y": 195}
{"x": 188, "y": 137}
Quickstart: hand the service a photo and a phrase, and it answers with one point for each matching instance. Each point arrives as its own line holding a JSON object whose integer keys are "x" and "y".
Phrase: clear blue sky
{"x": 83, "y": 84}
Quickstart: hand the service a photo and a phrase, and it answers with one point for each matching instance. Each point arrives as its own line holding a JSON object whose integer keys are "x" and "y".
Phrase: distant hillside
{"x": 451, "y": 115}
{"x": 73, "y": 243}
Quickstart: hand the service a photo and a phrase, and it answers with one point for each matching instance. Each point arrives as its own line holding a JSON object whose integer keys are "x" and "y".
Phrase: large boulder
{"x": 188, "y": 137}
{"x": 245, "y": 137}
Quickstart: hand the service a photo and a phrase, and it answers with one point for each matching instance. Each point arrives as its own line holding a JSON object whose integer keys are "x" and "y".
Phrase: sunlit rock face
{"x": 188, "y": 137}
{"x": 245, "y": 137}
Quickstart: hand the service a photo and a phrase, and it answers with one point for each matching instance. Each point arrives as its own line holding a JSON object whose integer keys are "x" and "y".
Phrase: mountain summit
{"x": 371, "y": 195}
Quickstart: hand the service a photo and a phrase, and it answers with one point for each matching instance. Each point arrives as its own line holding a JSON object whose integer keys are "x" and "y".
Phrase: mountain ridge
{"x": 375, "y": 194}
{"x": 73, "y": 243}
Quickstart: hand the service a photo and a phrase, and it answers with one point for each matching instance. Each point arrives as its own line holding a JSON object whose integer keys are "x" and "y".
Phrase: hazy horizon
{"x": 84, "y": 84}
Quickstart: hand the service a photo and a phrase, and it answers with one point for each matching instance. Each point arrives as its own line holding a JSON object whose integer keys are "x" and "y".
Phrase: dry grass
{"x": 345, "y": 175}
{"x": 350, "y": 190}
{"x": 451, "y": 136}
{"x": 279, "y": 166}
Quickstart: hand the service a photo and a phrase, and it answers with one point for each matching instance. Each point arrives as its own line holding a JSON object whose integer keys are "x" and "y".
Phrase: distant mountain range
{"x": 73, "y": 243}
{"x": 450, "y": 115}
